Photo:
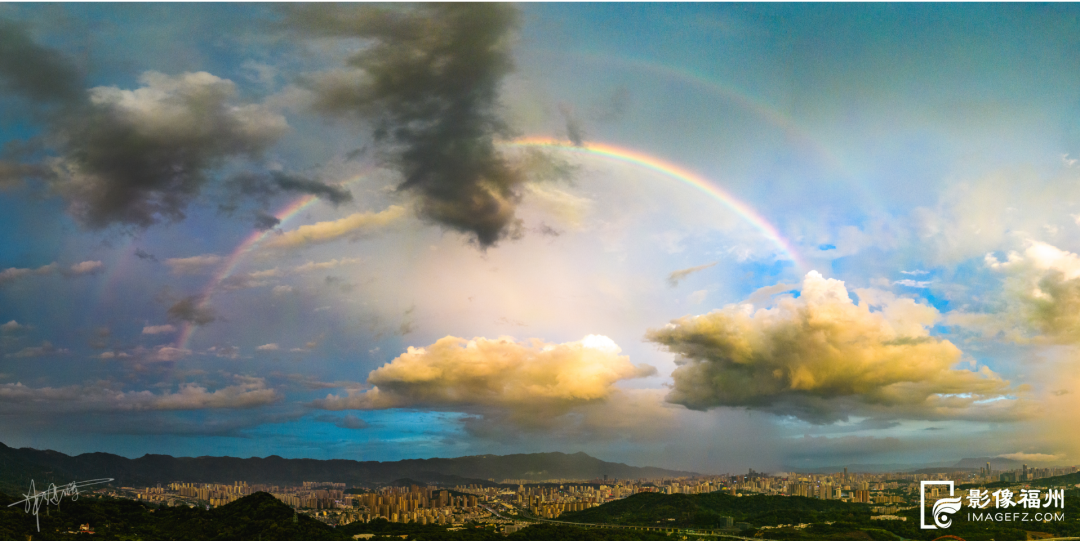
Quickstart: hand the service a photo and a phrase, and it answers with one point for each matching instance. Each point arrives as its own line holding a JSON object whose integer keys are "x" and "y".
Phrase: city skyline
{"x": 706, "y": 237}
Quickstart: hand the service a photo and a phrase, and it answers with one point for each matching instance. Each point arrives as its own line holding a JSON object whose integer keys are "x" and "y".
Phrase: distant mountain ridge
{"x": 964, "y": 464}
{"x": 19, "y": 466}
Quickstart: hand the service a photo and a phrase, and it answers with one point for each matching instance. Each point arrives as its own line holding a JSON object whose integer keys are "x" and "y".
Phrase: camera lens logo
{"x": 942, "y": 508}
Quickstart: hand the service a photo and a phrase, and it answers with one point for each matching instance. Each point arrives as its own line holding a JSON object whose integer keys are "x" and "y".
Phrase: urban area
{"x": 515, "y": 503}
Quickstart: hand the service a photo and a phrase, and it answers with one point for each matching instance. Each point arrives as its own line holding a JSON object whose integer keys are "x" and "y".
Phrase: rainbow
{"x": 231, "y": 262}
{"x": 612, "y": 152}
{"x": 670, "y": 170}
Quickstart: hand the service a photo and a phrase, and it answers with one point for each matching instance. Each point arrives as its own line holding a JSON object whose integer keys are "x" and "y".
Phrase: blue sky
{"x": 314, "y": 231}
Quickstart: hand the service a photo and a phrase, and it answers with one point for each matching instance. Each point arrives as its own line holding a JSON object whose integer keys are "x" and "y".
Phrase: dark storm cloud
{"x": 264, "y": 221}
{"x": 292, "y": 183}
{"x": 35, "y": 72}
{"x": 427, "y": 82}
{"x": 276, "y": 182}
{"x": 145, "y": 256}
{"x": 140, "y": 157}
{"x": 190, "y": 309}
{"x": 128, "y": 157}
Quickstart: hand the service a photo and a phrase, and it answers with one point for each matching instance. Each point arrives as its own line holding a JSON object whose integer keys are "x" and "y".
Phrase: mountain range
{"x": 19, "y": 466}
{"x": 964, "y": 464}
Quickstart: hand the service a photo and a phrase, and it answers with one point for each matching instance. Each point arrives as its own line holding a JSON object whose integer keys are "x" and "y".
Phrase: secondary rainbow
{"x": 671, "y": 170}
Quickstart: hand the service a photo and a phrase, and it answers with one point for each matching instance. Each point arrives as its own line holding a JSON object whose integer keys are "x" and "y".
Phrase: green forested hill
{"x": 1069, "y": 480}
{"x": 707, "y": 510}
{"x": 250, "y": 517}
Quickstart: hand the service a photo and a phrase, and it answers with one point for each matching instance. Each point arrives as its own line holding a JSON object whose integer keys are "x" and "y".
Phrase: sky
{"x": 700, "y": 236}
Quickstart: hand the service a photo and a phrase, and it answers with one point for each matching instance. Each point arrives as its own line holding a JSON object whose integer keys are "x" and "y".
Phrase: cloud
{"x": 267, "y": 277}
{"x": 698, "y": 296}
{"x": 12, "y": 174}
{"x": 224, "y": 352}
{"x": 324, "y": 265}
{"x": 144, "y": 255}
{"x": 522, "y": 384}
{"x": 46, "y": 349}
{"x": 35, "y": 72}
{"x": 138, "y": 157}
{"x": 912, "y": 283}
{"x": 1041, "y": 297}
{"x": 198, "y": 264}
{"x": 568, "y": 209}
{"x": 574, "y": 130}
{"x": 12, "y": 274}
{"x": 273, "y": 183}
{"x": 190, "y": 310}
{"x": 1032, "y": 457}
{"x": 352, "y": 226}
{"x": 84, "y": 268}
{"x": 268, "y": 347}
{"x": 427, "y": 83}
{"x": 247, "y": 392}
{"x": 264, "y": 221}
{"x": 821, "y": 358}
{"x": 677, "y": 276}
{"x": 158, "y": 329}
{"x": 249, "y": 279}
{"x": 12, "y": 327}
{"x": 167, "y": 354}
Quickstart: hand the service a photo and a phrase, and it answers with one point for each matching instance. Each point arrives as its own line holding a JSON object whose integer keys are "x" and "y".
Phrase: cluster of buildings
{"x": 507, "y": 507}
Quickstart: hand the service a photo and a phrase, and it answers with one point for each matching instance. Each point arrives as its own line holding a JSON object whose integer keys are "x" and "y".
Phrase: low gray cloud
{"x": 35, "y": 72}
{"x": 46, "y": 349}
{"x": 677, "y": 276}
{"x": 245, "y": 392}
{"x": 427, "y": 84}
{"x": 196, "y": 264}
{"x": 190, "y": 310}
{"x": 13, "y": 274}
{"x": 264, "y": 221}
{"x": 144, "y": 255}
{"x": 273, "y": 183}
{"x": 575, "y": 132}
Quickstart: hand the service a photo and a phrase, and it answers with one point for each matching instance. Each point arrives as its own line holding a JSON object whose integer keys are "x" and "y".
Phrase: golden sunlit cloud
{"x": 322, "y": 232}
{"x": 820, "y": 357}
{"x": 527, "y": 384}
